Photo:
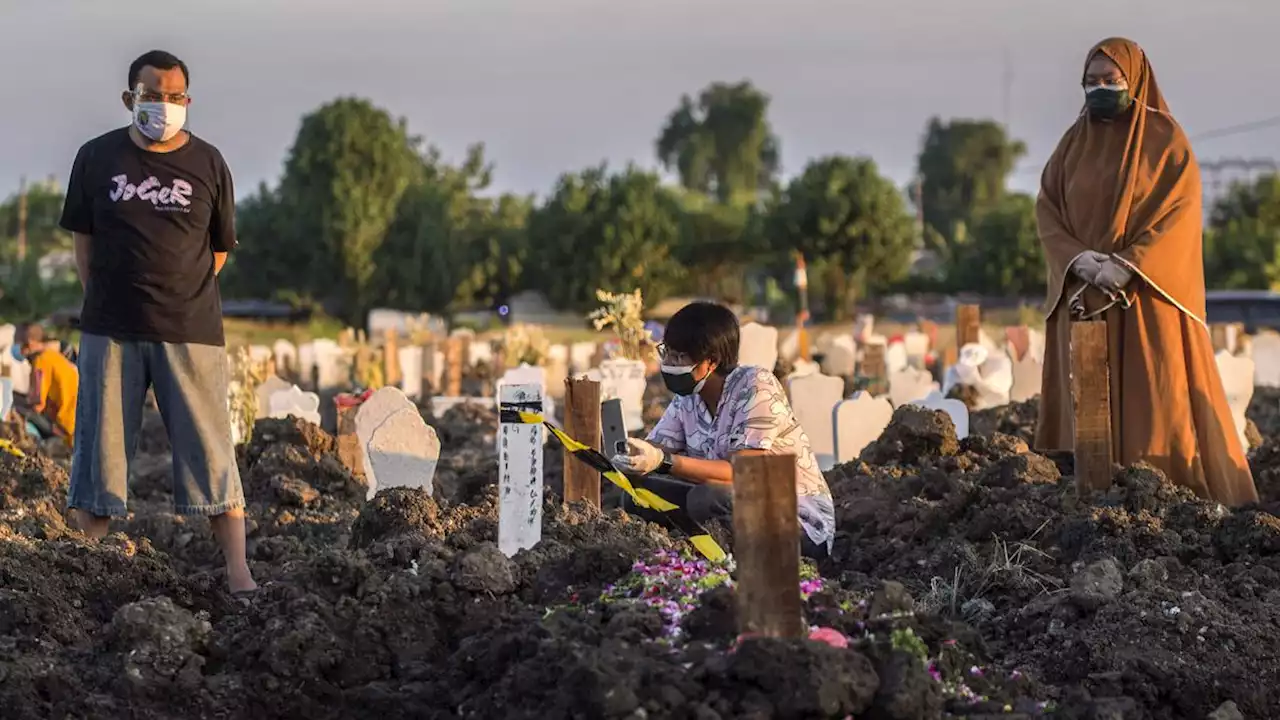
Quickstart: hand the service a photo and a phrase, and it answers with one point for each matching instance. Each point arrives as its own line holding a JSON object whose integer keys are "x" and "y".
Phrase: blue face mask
{"x": 16, "y": 352}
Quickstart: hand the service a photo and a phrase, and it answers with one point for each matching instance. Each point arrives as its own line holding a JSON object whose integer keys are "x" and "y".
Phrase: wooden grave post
{"x": 391, "y": 358}
{"x": 1091, "y": 394}
{"x": 349, "y": 453}
{"x": 873, "y": 368}
{"x": 968, "y": 324}
{"x": 766, "y": 532}
{"x": 520, "y": 474}
{"x": 1218, "y": 335}
{"x": 430, "y": 382}
{"x": 582, "y": 423}
{"x": 453, "y": 359}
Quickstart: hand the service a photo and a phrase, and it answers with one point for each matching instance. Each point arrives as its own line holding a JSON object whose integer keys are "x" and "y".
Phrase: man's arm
{"x": 699, "y": 471}
{"x": 84, "y": 250}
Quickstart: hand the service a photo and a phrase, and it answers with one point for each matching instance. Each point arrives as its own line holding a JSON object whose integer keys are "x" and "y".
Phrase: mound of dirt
{"x": 1143, "y": 596}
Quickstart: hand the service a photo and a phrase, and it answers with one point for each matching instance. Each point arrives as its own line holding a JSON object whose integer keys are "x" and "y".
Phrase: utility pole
{"x": 22, "y": 220}
{"x": 1007, "y": 100}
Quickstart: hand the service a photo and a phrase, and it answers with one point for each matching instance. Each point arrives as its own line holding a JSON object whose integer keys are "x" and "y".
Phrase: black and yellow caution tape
{"x": 698, "y": 536}
{"x": 9, "y": 447}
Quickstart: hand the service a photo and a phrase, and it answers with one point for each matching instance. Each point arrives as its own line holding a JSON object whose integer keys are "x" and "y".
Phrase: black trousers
{"x": 700, "y": 503}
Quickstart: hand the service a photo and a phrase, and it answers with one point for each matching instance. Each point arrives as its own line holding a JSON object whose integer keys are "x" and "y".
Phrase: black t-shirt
{"x": 156, "y": 220}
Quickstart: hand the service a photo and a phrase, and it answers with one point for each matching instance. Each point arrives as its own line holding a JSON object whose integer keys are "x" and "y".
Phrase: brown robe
{"x": 1131, "y": 188}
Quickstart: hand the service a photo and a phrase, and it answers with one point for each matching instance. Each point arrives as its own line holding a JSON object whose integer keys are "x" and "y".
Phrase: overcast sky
{"x": 556, "y": 85}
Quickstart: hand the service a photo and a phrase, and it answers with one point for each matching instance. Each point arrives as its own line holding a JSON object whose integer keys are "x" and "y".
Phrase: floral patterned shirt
{"x": 754, "y": 414}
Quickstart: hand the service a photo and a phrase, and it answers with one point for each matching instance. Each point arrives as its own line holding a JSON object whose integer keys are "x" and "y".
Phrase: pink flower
{"x": 830, "y": 636}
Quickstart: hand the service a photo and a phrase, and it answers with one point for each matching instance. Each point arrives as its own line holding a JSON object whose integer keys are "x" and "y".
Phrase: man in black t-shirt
{"x": 152, "y": 210}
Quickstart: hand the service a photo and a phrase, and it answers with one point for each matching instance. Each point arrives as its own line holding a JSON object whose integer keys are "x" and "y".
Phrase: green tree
{"x": 343, "y": 181}
{"x": 44, "y": 210}
{"x": 1242, "y": 241}
{"x": 719, "y": 242}
{"x": 602, "y": 230}
{"x": 963, "y": 165}
{"x": 429, "y": 248}
{"x": 1004, "y": 255}
{"x": 722, "y": 145}
{"x": 852, "y": 225}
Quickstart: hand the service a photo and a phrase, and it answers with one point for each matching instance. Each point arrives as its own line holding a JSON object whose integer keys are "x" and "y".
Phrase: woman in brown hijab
{"x": 1119, "y": 215}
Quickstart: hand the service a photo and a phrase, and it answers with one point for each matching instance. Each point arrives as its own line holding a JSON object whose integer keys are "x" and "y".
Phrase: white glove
{"x": 641, "y": 458}
{"x": 1088, "y": 265}
{"x": 1113, "y": 276}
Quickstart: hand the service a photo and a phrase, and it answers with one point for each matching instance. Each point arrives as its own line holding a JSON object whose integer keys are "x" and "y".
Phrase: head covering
{"x": 1128, "y": 187}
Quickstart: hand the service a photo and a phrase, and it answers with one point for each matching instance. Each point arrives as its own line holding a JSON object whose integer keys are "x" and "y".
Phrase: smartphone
{"x": 613, "y": 428}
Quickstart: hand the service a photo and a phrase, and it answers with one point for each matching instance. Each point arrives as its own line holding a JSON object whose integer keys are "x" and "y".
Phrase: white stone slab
{"x": 1237, "y": 380}
{"x": 374, "y": 411}
{"x": 481, "y": 352}
{"x": 955, "y": 408}
{"x": 1266, "y": 359}
{"x": 266, "y": 391}
{"x": 813, "y": 398}
{"x": 296, "y": 402}
{"x": 286, "y": 355}
{"x": 917, "y": 347}
{"x": 6, "y": 398}
{"x": 1028, "y": 374}
{"x": 895, "y": 357}
{"x": 520, "y": 475}
{"x": 403, "y": 451}
{"x": 581, "y": 355}
{"x": 858, "y": 422}
{"x": 989, "y": 372}
{"x": 260, "y": 353}
{"x": 758, "y": 346}
{"x": 909, "y": 385}
{"x": 841, "y": 356}
{"x": 411, "y": 370}
{"x": 803, "y": 368}
{"x": 626, "y": 380}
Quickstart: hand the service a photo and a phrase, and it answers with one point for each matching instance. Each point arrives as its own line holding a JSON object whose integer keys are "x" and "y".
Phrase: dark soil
{"x": 978, "y": 555}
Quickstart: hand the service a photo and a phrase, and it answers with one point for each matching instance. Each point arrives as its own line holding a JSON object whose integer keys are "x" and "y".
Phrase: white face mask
{"x": 159, "y": 121}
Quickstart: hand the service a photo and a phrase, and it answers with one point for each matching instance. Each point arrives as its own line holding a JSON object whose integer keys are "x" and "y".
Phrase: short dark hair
{"x": 28, "y": 332}
{"x": 705, "y": 331}
{"x": 160, "y": 60}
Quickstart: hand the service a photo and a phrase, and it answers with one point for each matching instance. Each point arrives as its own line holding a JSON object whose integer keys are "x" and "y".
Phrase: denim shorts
{"x": 190, "y": 385}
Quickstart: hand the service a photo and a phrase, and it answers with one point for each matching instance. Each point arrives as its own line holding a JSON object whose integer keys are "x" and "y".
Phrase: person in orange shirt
{"x": 55, "y": 383}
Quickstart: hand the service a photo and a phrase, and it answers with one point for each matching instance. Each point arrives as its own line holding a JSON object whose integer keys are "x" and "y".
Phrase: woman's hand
{"x": 641, "y": 457}
{"x": 1089, "y": 264}
{"x": 1113, "y": 276}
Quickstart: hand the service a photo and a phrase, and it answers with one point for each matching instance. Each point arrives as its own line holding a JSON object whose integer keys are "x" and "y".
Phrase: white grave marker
{"x": 896, "y": 358}
{"x": 286, "y": 355}
{"x": 520, "y": 474}
{"x": 813, "y": 398}
{"x": 580, "y": 356}
{"x": 858, "y": 422}
{"x": 6, "y": 398}
{"x": 374, "y": 411}
{"x": 917, "y": 346}
{"x": 955, "y": 408}
{"x": 626, "y": 380}
{"x": 907, "y": 386}
{"x": 789, "y": 345}
{"x": 260, "y": 353}
{"x": 481, "y": 352}
{"x": 333, "y": 369}
{"x": 1266, "y": 359}
{"x": 1028, "y": 374}
{"x": 841, "y": 356}
{"x": 990, "y": 373}
{"x": 1237, "y": 381}
{"x": 758, "y": 346}
{"x": 803, "y": 368}
{"x": 411, "y": 370}
{"x": 404, "y": 451}
{"x": 266, "y": 391}
{"x": 296, "y": 402}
